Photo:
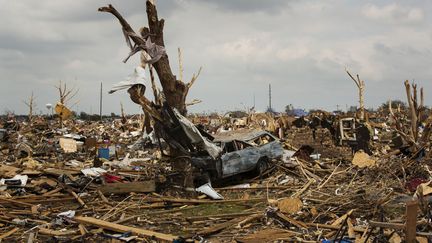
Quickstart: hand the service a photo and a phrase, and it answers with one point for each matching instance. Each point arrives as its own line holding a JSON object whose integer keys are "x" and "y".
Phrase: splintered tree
{"x": 361, "y": 86}
{"x": 411, "y": 134}
{"x": 66, "y": 94}
{"x": 151, "y": 40}
{"x": 30, "y": 104}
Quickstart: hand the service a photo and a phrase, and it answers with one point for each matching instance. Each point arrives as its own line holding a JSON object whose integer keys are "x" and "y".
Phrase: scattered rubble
{"x": 171, "y": 177}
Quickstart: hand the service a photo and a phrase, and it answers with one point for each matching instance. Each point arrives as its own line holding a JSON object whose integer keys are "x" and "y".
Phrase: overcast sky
{"x": 301, "y": 47}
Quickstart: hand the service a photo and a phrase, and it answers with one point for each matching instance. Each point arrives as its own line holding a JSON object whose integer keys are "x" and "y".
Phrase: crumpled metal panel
{"x": 246, "y": 159}
{"x": 195, "y": 136}
{"x": 240, "y": 161}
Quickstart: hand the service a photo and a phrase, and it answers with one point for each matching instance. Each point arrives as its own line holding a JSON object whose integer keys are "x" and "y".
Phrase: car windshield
{"x": 262, "y": 140}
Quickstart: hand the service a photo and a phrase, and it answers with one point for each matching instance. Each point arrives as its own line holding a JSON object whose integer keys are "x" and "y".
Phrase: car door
{"x": 239, "y": 161}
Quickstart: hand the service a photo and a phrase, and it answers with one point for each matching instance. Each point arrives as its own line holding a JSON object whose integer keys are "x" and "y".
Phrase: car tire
{"x": 261, "y": 166}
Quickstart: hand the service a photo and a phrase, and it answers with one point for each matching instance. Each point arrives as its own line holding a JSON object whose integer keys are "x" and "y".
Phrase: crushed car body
{"x": 242, "y": 151}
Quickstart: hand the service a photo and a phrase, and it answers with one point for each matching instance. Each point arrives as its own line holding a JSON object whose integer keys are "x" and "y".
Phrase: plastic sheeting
{"x": 137, "y": 77}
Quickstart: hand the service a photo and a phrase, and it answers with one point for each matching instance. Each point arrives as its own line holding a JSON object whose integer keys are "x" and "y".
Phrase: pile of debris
{"x": 59, "y": 184}
{"x": 255, "y": 178}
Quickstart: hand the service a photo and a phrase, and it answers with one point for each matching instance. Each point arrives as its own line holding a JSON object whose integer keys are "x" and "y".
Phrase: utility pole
{"x": 270, "y": 105}
{"x": 100, "y": 103}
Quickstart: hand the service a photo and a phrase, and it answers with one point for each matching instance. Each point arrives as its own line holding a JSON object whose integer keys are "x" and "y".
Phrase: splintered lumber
{"x": 332, "y": 227}
{"x": 229, "y": 215}
{"x": 52, "y": 191}
{"x": 9, "y": 233}
{"x": 31, "y": 237}
{"x": 123, "y": 228}
{"x": 387, "y": 225}
{"x": 82, "y": 229}
{"x": 51, "y": 232}
{"x": 218, "y": 227}
{"x": 291, "y": 220}
{"x": 340, "y": 222}
{"x": 351, "y": 233}
{"x": 267, "y": 235}
{"x": 101, "y": 195}
{"x": 305, "y": 187}
{"x": 16, "y": 202}
{"x": 124, "y": 188}
{"x": 249, "y": 219}
{"x": 81, "y": 202}
{"x": 197, "y": 201}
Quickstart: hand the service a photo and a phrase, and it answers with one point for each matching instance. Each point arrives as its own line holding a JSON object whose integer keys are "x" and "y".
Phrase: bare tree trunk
{"x": 30, "y": 105}
{"x": 175, "y": 91}
{"x": 361, "y": 87}
{"x": 411, "y": 101}
{"x": 361, "y": 100}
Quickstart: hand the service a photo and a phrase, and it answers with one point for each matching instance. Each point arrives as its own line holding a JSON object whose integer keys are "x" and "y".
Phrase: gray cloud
{"x": 248, "y": 6}
{"x": 301, "y": 47}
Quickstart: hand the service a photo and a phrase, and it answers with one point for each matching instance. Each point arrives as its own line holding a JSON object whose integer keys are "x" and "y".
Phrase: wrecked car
{"x": 242, "y": 151}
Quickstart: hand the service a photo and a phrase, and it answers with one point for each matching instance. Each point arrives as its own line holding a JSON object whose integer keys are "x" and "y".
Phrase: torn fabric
{"x": 137, "y": 77}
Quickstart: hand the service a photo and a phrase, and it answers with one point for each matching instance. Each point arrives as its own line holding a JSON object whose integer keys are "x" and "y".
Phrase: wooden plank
{"x": 327, "y": 226}
{"x": 59, "y": 172}
{"x": 197, "y": 201}
{"x": 218, "y": 227}
{"x": 249, "y": 219}
{"x": 104, "y": 199}
{"x": 14, "y": 201}
{"x": 351, "y": 233}
{"x": 9, "y": 233}
{"x": 387, "y": 225}
{"x": 81, "y": 202}
{"x": 45, "y": 231}
{"x": 124, "y": 188}
{"x": 82, "y": 229}
{"x": 52, "y": 191}
{"x": 411, "y": 221}
{"x": 123, "y": 228}
{"x": 291, "y": 220}
{"x": 266, "y": 235}
{"x": 225, "y": 216}
{"x": 31, "y": 237}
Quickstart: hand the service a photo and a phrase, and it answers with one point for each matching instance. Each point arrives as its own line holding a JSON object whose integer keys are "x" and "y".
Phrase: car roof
{"x": 240, "y": 135}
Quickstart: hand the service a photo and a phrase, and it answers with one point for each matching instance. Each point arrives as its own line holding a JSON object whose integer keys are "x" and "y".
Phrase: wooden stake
{"x": 411, "y": 221}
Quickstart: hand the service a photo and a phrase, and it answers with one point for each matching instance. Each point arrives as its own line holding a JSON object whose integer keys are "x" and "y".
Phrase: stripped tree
{"x": 411, "y": 133}
{"x": 151, "y": 41}
{"x": 30, "y": 104}
{"x": 66, "y": 94}
{"x": 361, "y": 87}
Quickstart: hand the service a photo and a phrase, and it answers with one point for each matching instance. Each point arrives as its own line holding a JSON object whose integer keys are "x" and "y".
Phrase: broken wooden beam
{"x": 387, "y": 225}
{"x": 332, "y": 227}
{"x": 218, "y": 227}
{"x": 45, "y": 231}
{"x": 225, "y": 216}
{"x": 9, "y": 233}
{"x": 122, "y": 228}
{"x": 197, "y": 201}
{"x": 124, "y": 188}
